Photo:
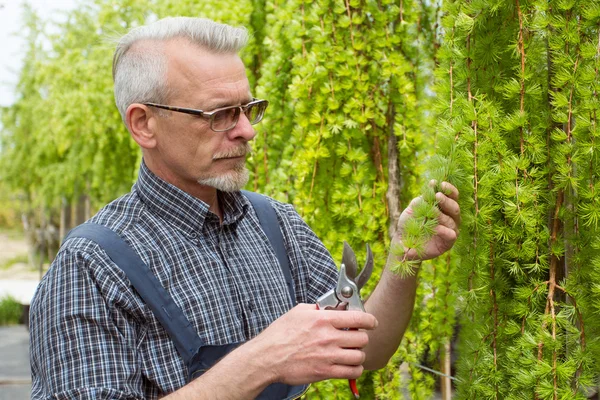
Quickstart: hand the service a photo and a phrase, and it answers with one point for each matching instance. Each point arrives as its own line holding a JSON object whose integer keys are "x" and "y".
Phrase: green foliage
{"x": 64, "y": 128}
{"x": 347, "y": 84}
{"x": 9, "y": 209}
{"x": 523, "y": 112}
{"x": 349, "y": 94}
{"x": 10, "y": 311}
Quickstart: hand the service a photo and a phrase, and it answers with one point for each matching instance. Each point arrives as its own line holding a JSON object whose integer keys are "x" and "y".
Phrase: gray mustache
{"x": 236, "y": 152}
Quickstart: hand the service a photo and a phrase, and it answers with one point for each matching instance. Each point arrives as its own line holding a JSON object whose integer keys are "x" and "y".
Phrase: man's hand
{"x": 304, "y": 345}
{"x": 307, "y": 345}
{"x": 446, "y": 231}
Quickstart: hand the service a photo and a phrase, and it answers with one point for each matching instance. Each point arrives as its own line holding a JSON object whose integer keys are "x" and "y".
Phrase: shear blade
{"x": 349, "y": 260}
{"x": 365, "y": 273}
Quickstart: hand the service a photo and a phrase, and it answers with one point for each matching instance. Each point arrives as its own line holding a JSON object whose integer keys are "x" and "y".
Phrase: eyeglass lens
{"x": 255, "y": 112}
{"x": 226, "y": 119}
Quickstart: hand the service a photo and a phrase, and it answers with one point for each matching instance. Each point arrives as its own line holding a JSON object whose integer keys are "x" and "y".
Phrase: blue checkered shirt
{"x": 92, "y": 337}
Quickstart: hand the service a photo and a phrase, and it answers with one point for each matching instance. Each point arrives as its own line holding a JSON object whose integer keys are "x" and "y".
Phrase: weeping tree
{"x": 350, "y": 96}
{"x": 63, "y": 139}
{"x": 18, "y": 121}
{"x": 348, "y": 126}
{"x": 520, "y": 105}
{"x": 63, "y": 136}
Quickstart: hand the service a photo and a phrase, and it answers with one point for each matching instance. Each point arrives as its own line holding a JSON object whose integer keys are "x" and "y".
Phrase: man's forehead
{"x": 191, "y": 68}
{"x": 194, "y": 61}
{"x": 195, "y": 56}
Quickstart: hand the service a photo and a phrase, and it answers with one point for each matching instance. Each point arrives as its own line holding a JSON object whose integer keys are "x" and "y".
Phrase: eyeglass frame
{"x": 210, "y": 114}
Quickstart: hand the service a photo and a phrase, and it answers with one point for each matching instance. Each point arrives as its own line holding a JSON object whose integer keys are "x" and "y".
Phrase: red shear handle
{"x": 353, "y": 388}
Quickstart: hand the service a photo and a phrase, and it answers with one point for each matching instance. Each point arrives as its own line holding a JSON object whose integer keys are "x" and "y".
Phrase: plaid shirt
{"x": 93, "y": 337}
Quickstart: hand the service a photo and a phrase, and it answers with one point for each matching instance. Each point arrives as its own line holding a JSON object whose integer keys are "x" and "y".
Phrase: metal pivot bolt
{"x": 347, "y": 292}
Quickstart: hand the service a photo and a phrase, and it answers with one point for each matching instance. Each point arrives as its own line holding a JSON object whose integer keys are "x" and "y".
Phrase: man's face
{"x": 188, "y": 152}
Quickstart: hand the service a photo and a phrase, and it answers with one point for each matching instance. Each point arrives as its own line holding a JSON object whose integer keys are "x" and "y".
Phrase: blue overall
{"x": 197, "y": 356}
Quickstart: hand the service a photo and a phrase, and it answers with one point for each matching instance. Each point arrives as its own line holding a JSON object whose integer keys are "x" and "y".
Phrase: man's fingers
{"x": 446, "y": 234}
{"x": 449, "y": 190}
{"x": 345, "y": 371}
{"x": 352, "y": 320}
{"x": 305, "y": 306}
{"x": 448, "y": 206}
{"x": 354, "y": 339}
{"x": 448, "y": 222}
{"x": 350, "y": 357}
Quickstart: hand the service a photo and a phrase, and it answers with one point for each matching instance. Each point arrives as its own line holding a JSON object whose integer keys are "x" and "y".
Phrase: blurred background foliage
{"x": 362, "y": 94}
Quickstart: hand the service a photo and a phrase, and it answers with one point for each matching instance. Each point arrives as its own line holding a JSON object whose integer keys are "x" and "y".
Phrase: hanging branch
{"x": 521, "y": 46}
{"x": 554, "y": 261}
{"x": 420, "y": 227}
{"x": 557, "y": 226}
{"x": 494, "y": 312}
{"x": 393, "y": 192}
{"x": 316, "y": 161}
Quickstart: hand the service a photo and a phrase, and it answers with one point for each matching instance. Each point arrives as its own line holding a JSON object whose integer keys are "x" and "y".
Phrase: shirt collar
{"x": 181, "y": 209}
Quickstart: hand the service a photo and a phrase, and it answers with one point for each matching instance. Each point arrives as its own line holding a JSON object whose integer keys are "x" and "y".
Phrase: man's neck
{"x": 207, "y": 194}
{"x": 214, "y": 205}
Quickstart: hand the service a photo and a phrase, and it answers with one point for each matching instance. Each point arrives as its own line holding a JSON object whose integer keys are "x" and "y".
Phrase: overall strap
{"x": 194, "y": 352}
{"x": 170, "y": 316}
{"x": 270, "y": 225}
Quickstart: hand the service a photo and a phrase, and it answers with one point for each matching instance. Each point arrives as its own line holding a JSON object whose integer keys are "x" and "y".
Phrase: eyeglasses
{"x": 226, "y": 118}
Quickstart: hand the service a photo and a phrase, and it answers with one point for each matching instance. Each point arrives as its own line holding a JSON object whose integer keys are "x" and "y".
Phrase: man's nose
{"x": 243, "y": 129}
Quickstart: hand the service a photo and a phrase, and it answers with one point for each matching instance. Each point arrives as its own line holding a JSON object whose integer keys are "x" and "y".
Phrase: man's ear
{"x": 141, "y": 122}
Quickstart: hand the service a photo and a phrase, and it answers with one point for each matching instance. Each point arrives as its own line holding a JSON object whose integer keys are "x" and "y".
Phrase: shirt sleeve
{"x": 78, "y": 350}
{"x": 322, "y": 271}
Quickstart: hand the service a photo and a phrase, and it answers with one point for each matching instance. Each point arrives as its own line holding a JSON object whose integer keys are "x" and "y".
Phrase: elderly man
{"x": 97, "y": 332}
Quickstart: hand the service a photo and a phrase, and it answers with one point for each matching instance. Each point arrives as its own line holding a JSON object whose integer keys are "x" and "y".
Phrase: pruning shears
{"x": 346, "y": 294}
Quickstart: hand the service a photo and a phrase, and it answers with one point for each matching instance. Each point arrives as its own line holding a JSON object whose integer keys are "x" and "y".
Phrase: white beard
{"x": 233, "y": 180}
{"x": 229, "y": 182}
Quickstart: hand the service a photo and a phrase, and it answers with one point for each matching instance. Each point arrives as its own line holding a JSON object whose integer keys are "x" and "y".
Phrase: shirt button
{"x": 193, "y": 235}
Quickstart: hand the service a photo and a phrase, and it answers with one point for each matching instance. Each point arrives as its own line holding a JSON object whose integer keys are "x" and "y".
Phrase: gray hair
{"x": 139, "y": 73}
